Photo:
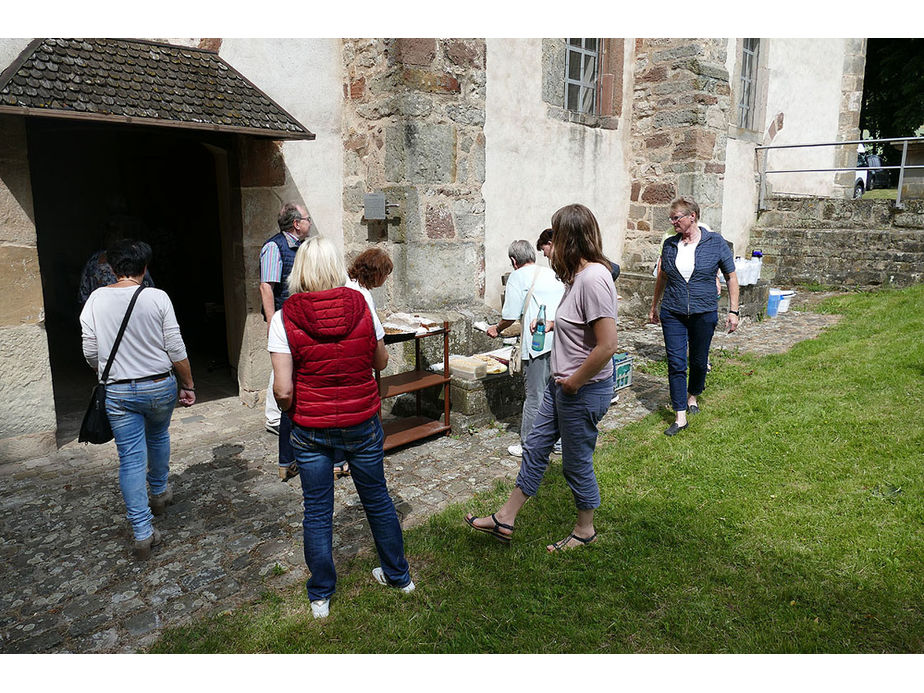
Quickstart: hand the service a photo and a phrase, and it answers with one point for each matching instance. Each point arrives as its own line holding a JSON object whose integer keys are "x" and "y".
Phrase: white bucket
{"x": 785, "y": 298}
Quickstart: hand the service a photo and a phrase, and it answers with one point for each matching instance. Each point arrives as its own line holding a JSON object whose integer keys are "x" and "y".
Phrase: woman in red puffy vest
{"x": 323, "y": 347}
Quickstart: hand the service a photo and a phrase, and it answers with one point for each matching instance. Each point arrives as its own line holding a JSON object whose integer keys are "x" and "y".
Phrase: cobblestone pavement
{"x": 71, "y": 585}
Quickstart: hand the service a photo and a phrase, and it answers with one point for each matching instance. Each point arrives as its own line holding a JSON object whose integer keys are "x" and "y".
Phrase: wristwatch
{"x": 735, "y": 312}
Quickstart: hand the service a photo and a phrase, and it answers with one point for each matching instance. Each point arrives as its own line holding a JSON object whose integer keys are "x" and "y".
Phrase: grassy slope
{"x": 772, "y": 525}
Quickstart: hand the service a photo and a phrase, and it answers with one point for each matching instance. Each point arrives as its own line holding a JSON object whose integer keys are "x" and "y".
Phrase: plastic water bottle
{"x": 539, "y": 334}
{"x": 757, "y": 258}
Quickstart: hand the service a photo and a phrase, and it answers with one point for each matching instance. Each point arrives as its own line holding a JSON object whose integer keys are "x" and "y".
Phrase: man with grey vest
{"x": 276, "y": 260}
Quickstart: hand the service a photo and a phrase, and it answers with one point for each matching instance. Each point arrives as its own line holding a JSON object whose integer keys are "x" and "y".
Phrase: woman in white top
{"x": 141, "y": 390}
{"x": 688, "y": 314}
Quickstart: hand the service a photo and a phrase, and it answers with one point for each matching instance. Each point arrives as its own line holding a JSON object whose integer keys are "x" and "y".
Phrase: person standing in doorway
{"x": 539, "y": 286}
{"x": 276, "y": 259}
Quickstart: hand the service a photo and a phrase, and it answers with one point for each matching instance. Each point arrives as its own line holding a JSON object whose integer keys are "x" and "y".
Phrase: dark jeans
{"x": 286, "y": 453}
{"x": 316, "y": 450}
{"x": 681, "y": 331}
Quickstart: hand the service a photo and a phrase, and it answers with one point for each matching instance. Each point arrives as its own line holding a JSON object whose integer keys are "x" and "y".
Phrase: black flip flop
{"x": 563, "y": 544}
{"x": 494, "y": 531}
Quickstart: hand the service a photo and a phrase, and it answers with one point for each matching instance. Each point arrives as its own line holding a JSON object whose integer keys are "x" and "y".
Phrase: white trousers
{"x": 271, "y": 409}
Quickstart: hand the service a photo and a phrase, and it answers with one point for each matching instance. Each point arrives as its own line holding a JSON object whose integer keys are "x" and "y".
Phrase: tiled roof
{"x": 140, "y": 82}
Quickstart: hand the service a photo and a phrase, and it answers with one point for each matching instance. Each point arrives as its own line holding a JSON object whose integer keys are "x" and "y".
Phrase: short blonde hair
{"x": 318, "y": 266}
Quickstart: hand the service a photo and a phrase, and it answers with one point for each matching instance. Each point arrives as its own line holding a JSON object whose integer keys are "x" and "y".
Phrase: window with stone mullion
{"x": 581, "y": 69}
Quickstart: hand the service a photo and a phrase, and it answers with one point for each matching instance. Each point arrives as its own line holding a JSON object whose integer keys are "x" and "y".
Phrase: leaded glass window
{"x": 581, "y": 68}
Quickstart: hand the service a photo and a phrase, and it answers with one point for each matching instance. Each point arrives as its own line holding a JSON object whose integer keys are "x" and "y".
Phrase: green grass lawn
{"x": 788, "y": 518}
{"x": 881, "y": 194}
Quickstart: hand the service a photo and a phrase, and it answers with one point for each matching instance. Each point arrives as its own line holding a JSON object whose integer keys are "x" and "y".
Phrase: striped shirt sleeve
{"x": 270, "y": 264}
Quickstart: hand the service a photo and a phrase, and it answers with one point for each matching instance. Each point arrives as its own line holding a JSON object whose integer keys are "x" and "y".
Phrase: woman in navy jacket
{"x": 689, "y": 311}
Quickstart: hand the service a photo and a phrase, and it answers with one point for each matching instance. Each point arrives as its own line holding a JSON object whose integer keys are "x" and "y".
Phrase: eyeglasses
{"x": 303, "y": 219}
{"x": 675, "y": 219}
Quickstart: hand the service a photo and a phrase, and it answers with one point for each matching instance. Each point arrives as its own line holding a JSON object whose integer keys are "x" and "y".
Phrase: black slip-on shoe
{"x": 692, "y": 409}
{"x": 674, "y": 429}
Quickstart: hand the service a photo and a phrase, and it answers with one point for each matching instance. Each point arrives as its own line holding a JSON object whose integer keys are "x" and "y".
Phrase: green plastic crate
{"x": 622, "y": 365}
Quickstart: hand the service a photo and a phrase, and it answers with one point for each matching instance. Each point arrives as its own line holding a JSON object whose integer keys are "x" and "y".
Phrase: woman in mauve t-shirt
{"x": 580, "y": 388}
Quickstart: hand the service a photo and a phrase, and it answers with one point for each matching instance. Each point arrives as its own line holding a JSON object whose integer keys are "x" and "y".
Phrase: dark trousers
{"x": 680, "y": 332}
{"x": 286, "y": 453}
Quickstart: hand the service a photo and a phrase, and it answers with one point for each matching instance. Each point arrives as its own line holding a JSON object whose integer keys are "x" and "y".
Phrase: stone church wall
{"x": 27, "y": 409}
{"x": 679, "y": 132}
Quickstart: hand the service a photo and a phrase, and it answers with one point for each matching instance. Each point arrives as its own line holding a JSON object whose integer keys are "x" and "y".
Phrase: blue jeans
{"x": 316, "y": 450}
{"x": 286, "y": 453}
{"x": 680, "y": 330}
{"x": 139, "y": 414}
{"x": 574, "y": 419}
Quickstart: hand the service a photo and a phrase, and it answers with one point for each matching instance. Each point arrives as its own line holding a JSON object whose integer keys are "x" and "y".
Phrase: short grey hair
{"x": 521, "y": 252}
{"x": 288, "y": 216}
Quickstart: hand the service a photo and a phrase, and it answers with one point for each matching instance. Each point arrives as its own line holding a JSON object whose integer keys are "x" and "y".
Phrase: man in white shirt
{"x": 546, "y": 291}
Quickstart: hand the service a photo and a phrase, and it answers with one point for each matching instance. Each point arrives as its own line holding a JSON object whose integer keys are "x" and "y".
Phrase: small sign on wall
{"x": 374, "y": 206}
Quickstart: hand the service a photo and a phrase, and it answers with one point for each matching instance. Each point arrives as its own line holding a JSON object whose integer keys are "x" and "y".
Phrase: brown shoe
{"x": 286, "y": 473}
{"x": 142, "y": 548}
{"x": 160, "y": 501}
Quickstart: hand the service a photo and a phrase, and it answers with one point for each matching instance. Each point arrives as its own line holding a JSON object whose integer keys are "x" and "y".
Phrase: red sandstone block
{"x": 358, "y": 88}
{"x": 468, "y": 53}
{"x": 606, "y": 94}
{"x": 439, "y": 223}
{"x": 415, "y": 51}
{"x": 658, "y": 192}
{"x": 210, "y": 44}
{"x": 658, "y": 73}
{"x": 356, "y": 142}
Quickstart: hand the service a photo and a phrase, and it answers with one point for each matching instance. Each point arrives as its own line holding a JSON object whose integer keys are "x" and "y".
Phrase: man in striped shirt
{"x": 276, "y": 260}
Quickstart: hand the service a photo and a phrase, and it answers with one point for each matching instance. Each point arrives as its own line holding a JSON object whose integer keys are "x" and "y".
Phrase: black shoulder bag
{"x": 95, "y": 427}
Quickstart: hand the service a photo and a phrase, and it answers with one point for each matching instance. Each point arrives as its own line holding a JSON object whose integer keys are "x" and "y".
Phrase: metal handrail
{"x": 762, "y": 162}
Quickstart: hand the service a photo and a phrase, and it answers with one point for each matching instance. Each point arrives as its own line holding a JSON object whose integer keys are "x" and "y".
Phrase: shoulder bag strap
{"x": 528, "y": 295}
{"x": 118, "y": 339}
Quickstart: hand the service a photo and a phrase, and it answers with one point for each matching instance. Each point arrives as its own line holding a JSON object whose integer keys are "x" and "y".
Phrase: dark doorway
{"x": 91, "y": 182}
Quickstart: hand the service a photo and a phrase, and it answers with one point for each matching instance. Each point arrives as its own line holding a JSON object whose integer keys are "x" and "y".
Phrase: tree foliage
{"x": 893, "y": 85}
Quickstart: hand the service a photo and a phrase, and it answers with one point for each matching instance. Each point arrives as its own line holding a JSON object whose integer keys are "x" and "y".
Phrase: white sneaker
{"x": 557, "y": 449}
{"x": 320, "y": 608}
{"x": 615, "y": 398}
{"x": 379, "y": 576}
{"x": 515, "y": 450}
